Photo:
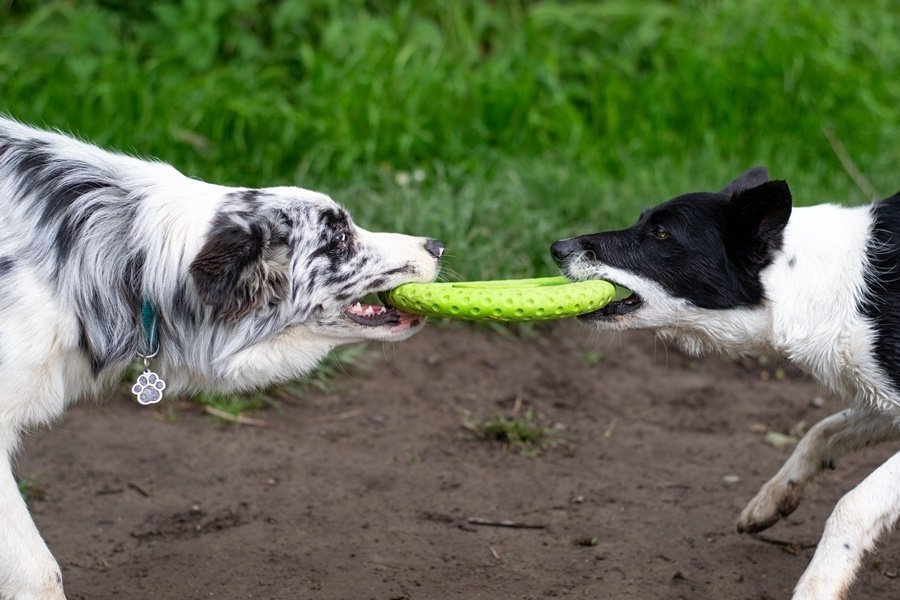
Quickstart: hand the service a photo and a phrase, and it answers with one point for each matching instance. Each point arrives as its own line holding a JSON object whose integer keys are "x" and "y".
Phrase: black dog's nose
{"x": 562, "y": 249}
{"x": 434, "y": 248}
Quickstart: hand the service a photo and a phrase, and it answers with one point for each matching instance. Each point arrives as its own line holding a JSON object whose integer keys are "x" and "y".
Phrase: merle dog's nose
{"x": 434, "y": 248}
{"x": 563, "y": 249}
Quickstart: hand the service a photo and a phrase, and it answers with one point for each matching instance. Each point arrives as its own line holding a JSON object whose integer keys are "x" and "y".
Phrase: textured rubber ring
{"x": 537, "y": 299}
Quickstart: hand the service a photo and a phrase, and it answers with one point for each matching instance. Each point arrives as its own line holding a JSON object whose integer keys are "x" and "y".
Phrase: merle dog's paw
{"x": 148, "y": 388}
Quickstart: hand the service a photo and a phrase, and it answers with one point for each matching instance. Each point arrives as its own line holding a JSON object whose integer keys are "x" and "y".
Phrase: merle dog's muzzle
{"x": 434, "y": 248}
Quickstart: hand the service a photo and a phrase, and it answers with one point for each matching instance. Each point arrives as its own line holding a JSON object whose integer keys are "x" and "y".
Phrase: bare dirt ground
{"x": 365, "y": 492}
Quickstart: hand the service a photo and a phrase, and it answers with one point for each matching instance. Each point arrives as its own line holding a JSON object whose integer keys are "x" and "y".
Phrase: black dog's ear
{"x": 243, "y": 265}
{"x": 756, "y": 220}
{"x": 748, "y": 179}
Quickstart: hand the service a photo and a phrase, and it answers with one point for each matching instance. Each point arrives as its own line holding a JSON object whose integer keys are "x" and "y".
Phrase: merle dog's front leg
{"x": 27, "y": 569}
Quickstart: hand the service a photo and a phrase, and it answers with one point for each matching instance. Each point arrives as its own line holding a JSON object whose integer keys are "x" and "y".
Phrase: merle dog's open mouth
{"x": 616, "y": 308}
{"x": 380, "y": 315}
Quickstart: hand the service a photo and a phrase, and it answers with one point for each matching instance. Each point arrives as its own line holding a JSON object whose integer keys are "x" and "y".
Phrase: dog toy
{"x": 536, "y": 299}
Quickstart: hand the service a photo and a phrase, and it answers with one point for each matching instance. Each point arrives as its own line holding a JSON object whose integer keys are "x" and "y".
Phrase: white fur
{"x": 858, "y": 521}
{"x": 130, "y": 208}
{"x": 809, "y": 315}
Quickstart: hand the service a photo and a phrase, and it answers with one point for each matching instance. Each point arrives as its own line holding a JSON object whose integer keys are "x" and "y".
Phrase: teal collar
{"x": 151, "y": 334}
{"x": 148, "y": 389}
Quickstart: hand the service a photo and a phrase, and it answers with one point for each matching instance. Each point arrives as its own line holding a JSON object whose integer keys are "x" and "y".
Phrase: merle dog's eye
{"x": 340, "y": 241}
{"x": 660, "y": 233}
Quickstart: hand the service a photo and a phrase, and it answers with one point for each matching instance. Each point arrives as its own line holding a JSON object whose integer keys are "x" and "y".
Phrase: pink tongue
{"x": 408, "y": 318}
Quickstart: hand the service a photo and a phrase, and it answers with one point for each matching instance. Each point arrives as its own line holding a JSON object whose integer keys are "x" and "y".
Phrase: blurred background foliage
{"x": 496, "y": 126}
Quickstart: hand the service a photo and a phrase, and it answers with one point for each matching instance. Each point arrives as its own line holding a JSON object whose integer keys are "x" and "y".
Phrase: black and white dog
{"x": 247, "y": 286}
{"x": 738, "y": 271}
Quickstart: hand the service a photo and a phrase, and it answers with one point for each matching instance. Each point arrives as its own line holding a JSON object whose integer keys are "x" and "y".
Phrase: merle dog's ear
{"x": 748, "y": 179}
{"x": 243, "y": 265}
{"x": 756, "y": 220}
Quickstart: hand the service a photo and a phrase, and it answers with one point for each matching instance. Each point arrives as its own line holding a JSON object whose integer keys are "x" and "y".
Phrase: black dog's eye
{"x": 340, "y": 238}
{"x": 660, "y": 233}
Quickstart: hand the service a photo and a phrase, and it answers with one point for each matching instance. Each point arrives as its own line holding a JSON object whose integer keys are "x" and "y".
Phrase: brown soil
{"x": 365, "y": 492}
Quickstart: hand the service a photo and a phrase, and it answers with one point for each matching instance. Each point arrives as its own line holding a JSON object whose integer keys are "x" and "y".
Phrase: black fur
{"x": 250, "y": 198}
{"x": 182, "y": 309}
{"x": 29, "y": 160}
{"x": 49, "y": 177}
{"x": 72, "y": 223}
{"x": 704, "y": 247}
{"x": 84, "y": 344}
{"x": 60, "y": 195}
{"x": 86, "y": 235}
{"x": 749, "y": 179}
{"x": 120, "y": 340}
{"x": 334, "y": 220}
{"x": 883, "y": 286}
{"x": 61, "y": 185}
{"x": 6, "y": 265}
{"x": 230, "y": 272}
{"x": 70, "y": 197}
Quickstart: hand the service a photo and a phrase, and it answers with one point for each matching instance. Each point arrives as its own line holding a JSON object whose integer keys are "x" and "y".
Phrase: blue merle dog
{"x": 246, "y": 287}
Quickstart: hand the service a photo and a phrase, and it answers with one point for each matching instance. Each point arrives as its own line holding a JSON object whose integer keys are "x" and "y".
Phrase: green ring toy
{"x": 537, "y": 299}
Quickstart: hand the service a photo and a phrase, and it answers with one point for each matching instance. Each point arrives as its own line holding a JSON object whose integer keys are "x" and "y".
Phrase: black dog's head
{"x": 697, "y": 251}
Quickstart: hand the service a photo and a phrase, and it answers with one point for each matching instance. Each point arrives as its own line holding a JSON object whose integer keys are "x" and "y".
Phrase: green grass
{"x": 529, "y": 121}
{"x": 232, "y": 404}
{"x": 31, "y": 490}
{"x": 523, "y": 433}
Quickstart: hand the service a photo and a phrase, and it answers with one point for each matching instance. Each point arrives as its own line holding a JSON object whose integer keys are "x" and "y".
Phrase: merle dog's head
{"x": 692, "y": 254}
{"x": 286, "y": 257}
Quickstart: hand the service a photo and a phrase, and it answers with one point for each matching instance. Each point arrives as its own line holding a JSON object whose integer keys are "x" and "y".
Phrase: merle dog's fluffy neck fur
{"x": 739, "y": 271}
{"x": 250, "y": 287}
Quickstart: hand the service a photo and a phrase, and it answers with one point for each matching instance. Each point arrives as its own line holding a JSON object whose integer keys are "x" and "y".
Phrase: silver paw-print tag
{"x": 148, "y": 388}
